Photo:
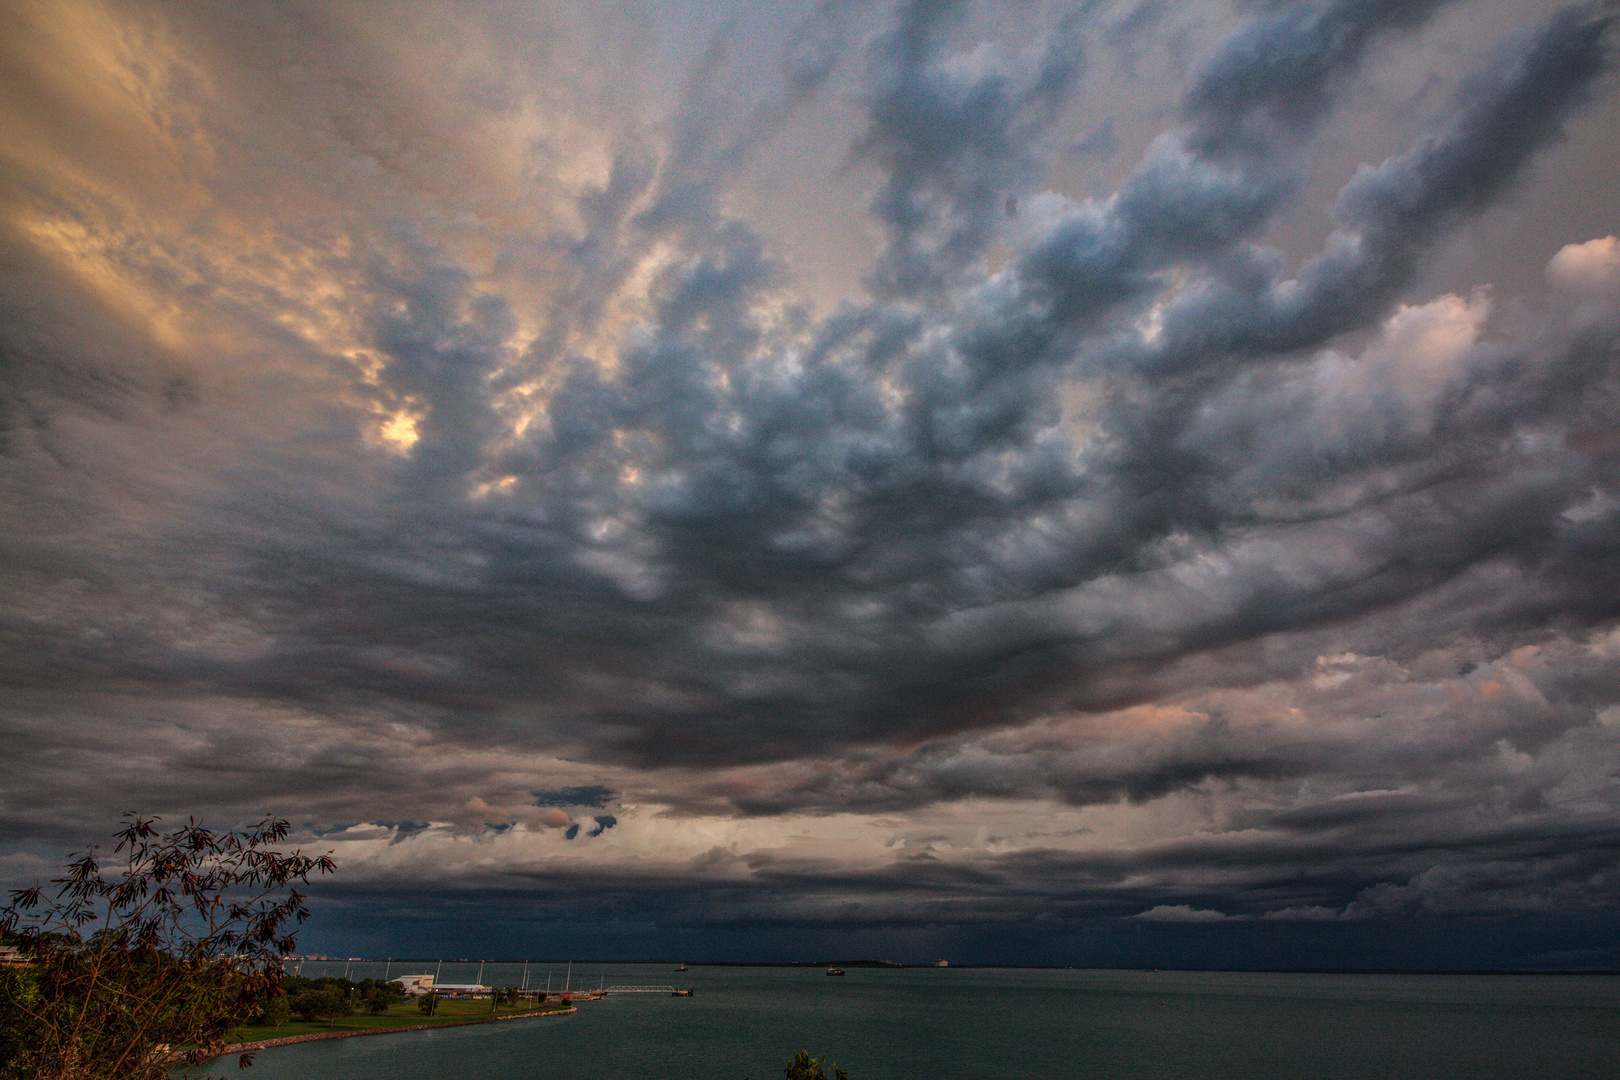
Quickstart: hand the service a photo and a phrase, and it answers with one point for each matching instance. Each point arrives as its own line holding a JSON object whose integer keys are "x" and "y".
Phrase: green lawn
{"x": 403, "y": 1015}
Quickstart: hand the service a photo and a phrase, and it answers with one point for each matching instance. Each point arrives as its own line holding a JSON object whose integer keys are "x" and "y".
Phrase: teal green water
{"x": 990, "y": 1024}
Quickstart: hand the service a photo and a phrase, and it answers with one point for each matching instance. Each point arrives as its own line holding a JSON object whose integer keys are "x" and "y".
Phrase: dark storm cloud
{"x": 592, "y": 795}
{"x": 951, "y": 135}
{"x": 1181, "y": 203}
{"x": 1524, "y": 871}
{"x": 804, "y": 562}
{"x": 443, "y": 341}
{"x": 1359, "y": 745}
{"x": 1279, "y": 73}
{"x": 1389, "y": 216}
{"x": 1094, "y": 505}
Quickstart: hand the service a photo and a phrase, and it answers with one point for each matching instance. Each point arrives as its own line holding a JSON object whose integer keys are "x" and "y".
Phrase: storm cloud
{"x": 918, "y": 467}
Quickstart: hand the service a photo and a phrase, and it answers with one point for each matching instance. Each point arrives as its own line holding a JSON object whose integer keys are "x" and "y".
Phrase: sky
{"x": 1118, "y": 482}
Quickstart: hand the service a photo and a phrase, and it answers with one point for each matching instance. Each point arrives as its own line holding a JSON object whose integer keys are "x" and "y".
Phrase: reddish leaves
{"x": 175, "y": 948}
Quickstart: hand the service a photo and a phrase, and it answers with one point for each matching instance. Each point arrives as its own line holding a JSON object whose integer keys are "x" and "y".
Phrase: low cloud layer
{"x": 921, "y": 467}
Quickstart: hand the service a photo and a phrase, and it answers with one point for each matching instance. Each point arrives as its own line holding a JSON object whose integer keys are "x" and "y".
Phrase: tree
{"x": 377, "y": 995}
{"x": 16, "y": 984}
{"x": 428, "y": 1003}
{"x": 327, "y": 1003}
{"x": 376, "y": 1001}
{"x": 277, "y": 1011}
{"x": 805, "y": 1067}
{"x": 175, "y": 946}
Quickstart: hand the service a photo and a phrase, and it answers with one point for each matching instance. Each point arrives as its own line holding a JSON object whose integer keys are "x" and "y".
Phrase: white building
{"x": 425, "y": 984}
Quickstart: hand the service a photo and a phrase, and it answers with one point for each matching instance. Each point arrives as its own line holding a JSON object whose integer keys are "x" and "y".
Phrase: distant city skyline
{"x": 1085, "y": 484}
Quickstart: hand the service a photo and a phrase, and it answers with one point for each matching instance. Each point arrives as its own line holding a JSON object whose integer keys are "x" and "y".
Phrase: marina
{"x": 423, "y": 983}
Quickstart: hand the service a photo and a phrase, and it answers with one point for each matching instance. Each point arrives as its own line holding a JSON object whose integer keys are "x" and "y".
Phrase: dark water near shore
{"x": 1001, "y": 1024}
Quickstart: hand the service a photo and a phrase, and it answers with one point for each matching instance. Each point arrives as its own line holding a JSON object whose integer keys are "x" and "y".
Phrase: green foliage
{"x": 323, "y": 1003}
{"x": 428, "y": 1003}
{"x": 19, "y": 996}
{"x": 805, "y": 1067}
{"x": 316, "y": 999}
{"x": 276, "y": 1010}
{"x": 176, "y": 945}
{"x": 401, "y": 1015}
{"x": 378, "y": 996}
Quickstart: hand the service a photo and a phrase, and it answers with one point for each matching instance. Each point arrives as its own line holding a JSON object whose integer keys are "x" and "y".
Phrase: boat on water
{"x": 835, "y": 971}
{"x": 681, "y": 968}
{"x": 681, "y": 993}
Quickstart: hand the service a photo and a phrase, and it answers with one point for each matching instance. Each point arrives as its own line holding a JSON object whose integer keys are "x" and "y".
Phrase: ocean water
{"x": 745, "y": 1023}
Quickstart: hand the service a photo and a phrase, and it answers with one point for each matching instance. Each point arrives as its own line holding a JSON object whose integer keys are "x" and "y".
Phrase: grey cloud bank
{"x": 419, "y": 432}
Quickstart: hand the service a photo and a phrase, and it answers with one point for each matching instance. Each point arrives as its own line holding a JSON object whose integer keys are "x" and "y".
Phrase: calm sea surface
{"x": 1001, "y": 1024}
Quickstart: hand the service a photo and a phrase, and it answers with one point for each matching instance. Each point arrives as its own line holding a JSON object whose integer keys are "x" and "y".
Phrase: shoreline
{"x": 318, "y": 1036}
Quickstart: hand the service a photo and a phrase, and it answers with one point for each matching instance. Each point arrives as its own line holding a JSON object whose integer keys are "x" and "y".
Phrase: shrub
{"x": 176, "y": 946}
